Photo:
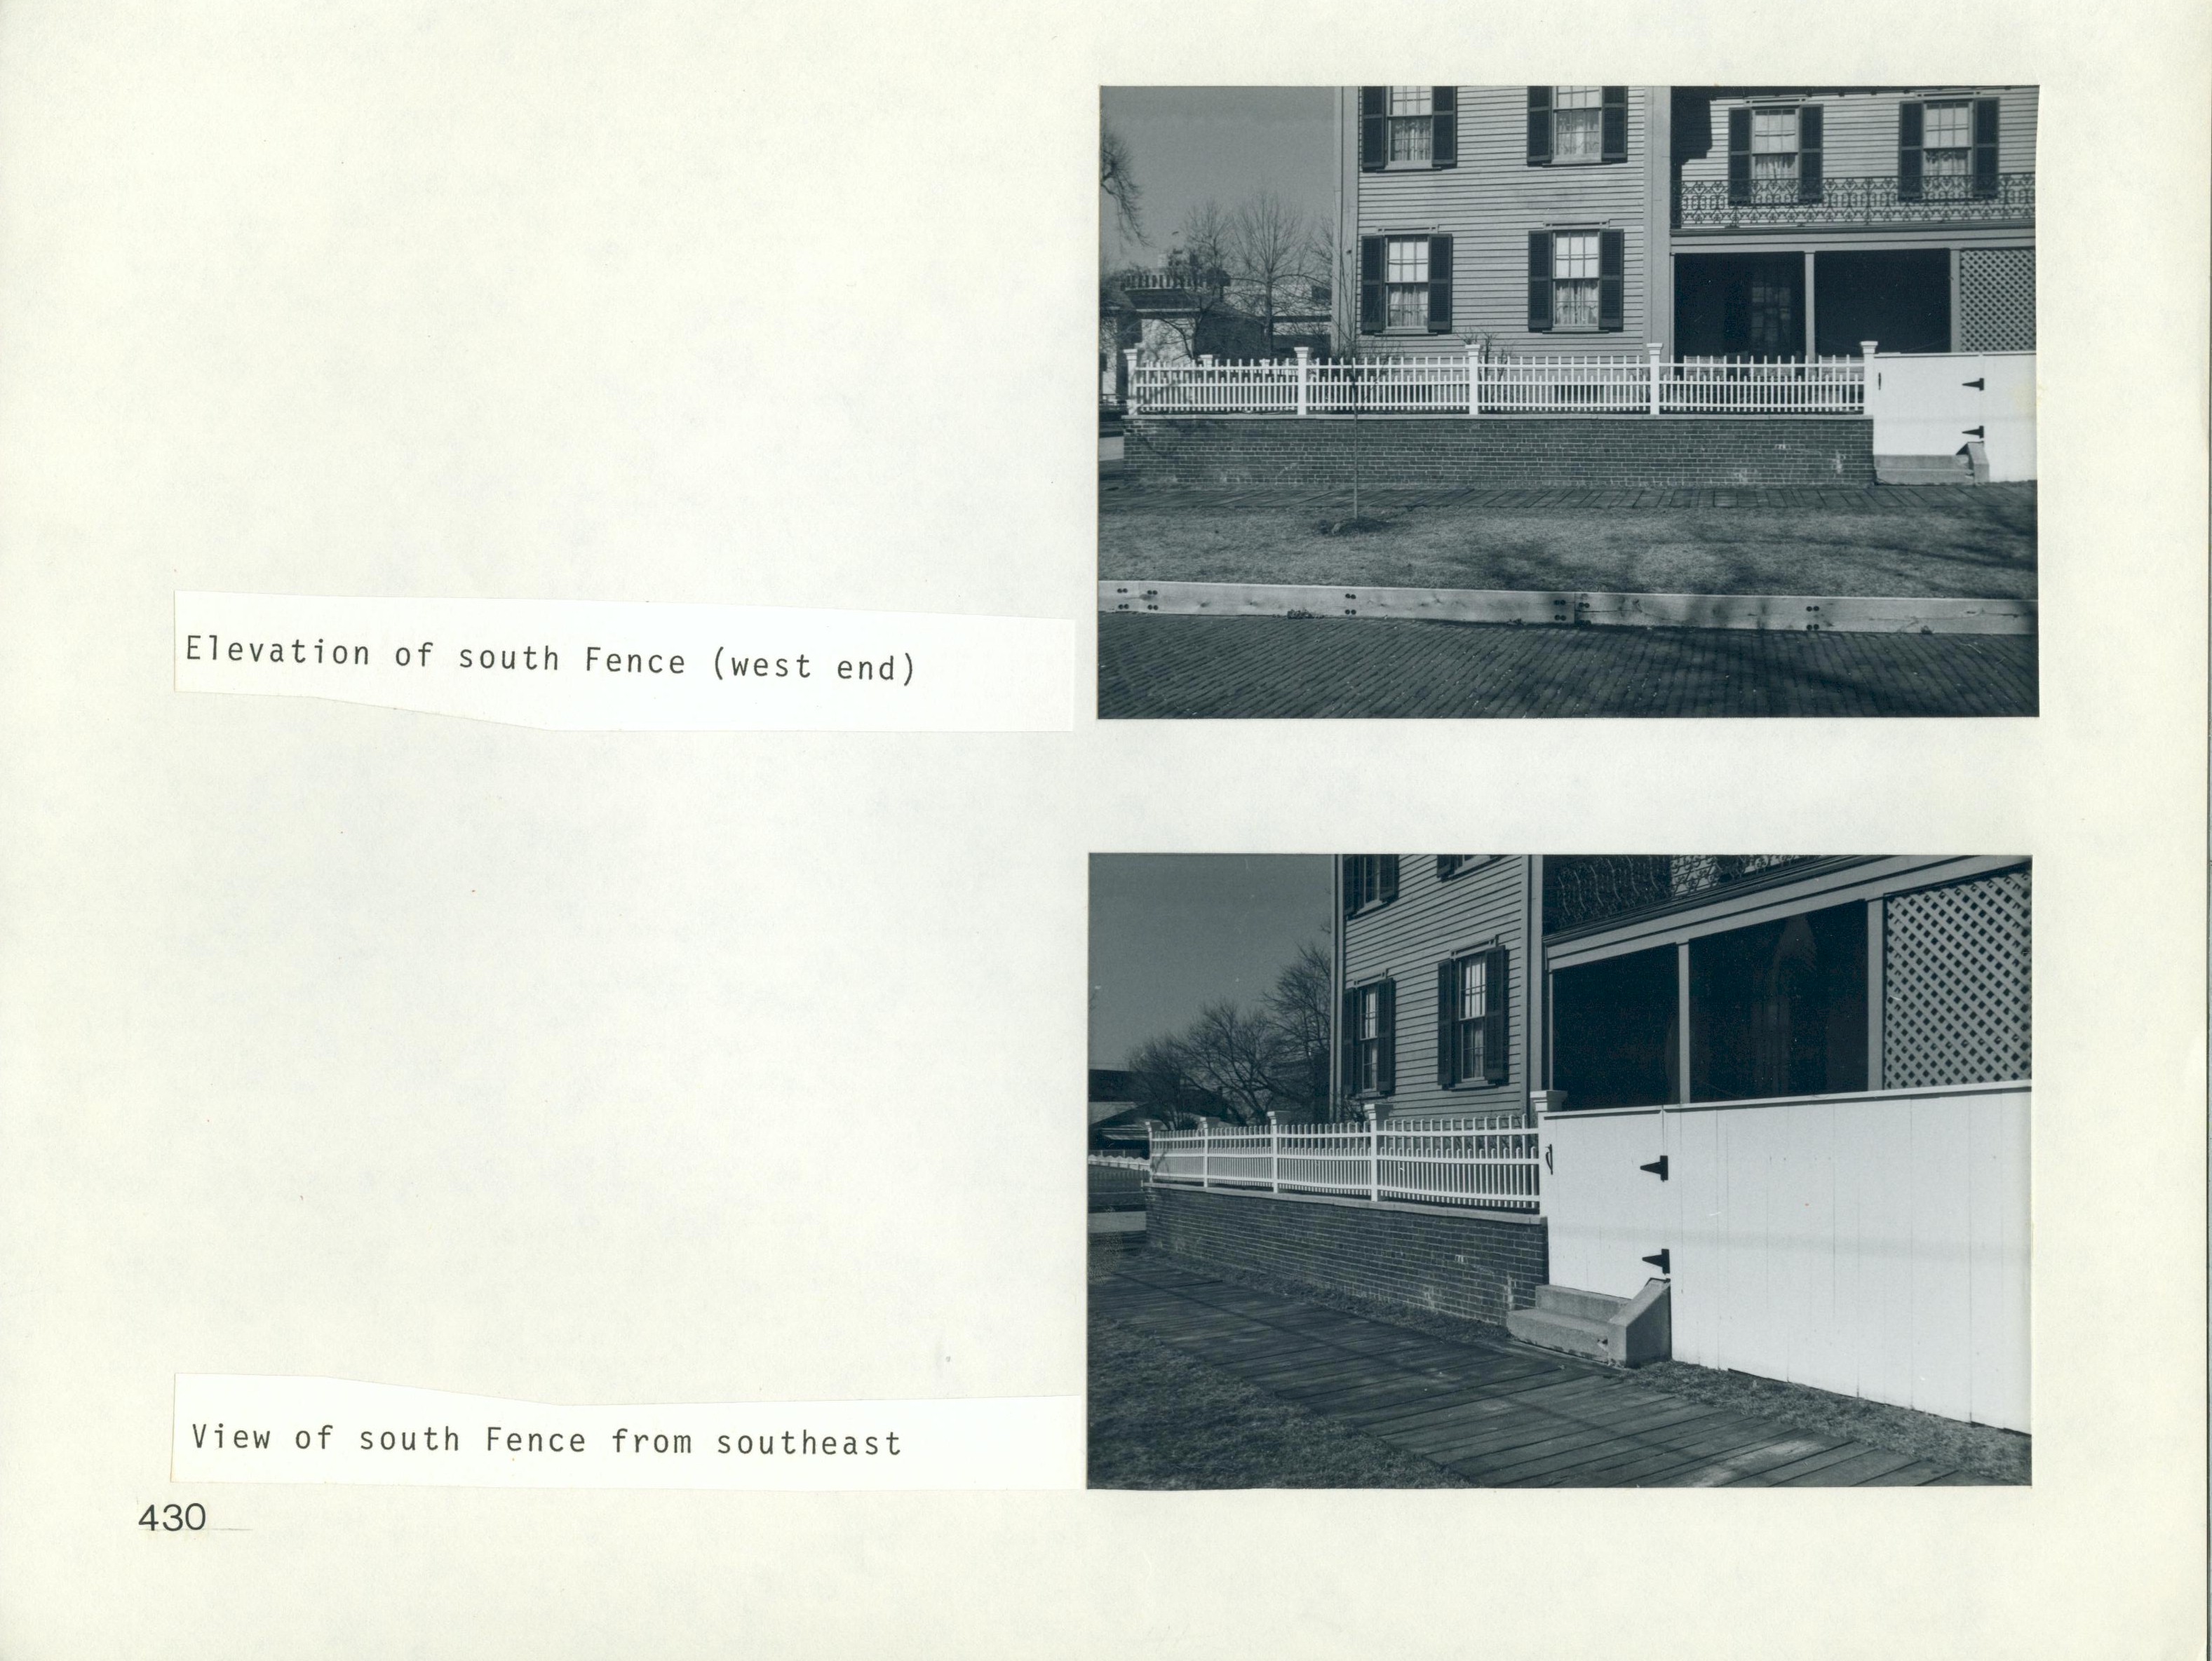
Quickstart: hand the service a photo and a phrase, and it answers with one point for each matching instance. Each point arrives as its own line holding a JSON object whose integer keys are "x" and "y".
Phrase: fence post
{"x": 1654, "y": 348}
{"x": 1474, "y": 377}
{"x": 1304, "y": 353}
{"x": 1866, "y": 376}
{"x": 1129, "y": 386}
{"x": 1275, "y": 1139}
{"x": 1374, "y": 1155}
{"x": 1204, "y": 1151}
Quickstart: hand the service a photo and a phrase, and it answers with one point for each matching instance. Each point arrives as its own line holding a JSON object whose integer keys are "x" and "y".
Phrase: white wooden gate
{"x": 1875, "y": 1244}
{"x": 1933, "y": 404}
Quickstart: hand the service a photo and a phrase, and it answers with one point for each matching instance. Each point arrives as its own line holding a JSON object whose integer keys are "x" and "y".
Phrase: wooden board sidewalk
{"x": 1499, "y": 1413}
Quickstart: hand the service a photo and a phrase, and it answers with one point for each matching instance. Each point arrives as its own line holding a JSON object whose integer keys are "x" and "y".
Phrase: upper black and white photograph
{"x": 1567, "y": 400}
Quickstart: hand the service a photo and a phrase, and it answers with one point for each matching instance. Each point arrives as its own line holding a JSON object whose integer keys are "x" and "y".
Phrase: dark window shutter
{"x": 1738, "y": 156}
{"x": 1540, "y": 282}
{"x": 1374, "y": 131}
{"x": 1440, "y": 285}
{"x": 1613, "y": 123}
{"x": 1611, "y": 264}
{"x": 1386, "y": 1027}
{"x": 1985, "y": 148}
{"x": 1448, "y": 1023}
{"x": 1443, "y": 147}
{"x": 1809, "y": 125}
{"x": 1387, "y": 878}
{"x": 1497, "y": 1054}
{"x": 1371, "y": 285}
{"x": 1540, "y": 126}
{"x": 1348, "y": 1043}
{"x": 1909, "y": 129}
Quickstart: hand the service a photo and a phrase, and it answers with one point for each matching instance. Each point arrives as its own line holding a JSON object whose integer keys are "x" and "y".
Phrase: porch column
{"x": 1812, "y": 334}
{"x": 1683, "y": 1022}
{"x": 1877, "y": 994}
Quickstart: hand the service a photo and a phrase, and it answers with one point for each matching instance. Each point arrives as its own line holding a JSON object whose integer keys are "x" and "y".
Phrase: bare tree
{"x": 1298, "y": 1005}
{"x": 1270, "y": 248}
{"x": 1236, "y": 1054}
{"x": 1117, "y": 180}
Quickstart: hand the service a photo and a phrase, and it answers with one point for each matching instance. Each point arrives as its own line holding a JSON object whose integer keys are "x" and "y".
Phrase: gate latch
{"x": 1663, "y": 1259}
{"x": 1657, "y": 1167}
{"x": 1977, "y": 383}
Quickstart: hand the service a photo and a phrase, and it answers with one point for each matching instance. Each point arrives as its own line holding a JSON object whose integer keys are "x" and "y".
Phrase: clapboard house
{"x": 1719, "y": 222}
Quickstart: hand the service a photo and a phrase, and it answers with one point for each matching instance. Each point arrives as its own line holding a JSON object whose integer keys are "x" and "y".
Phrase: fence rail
{"x": 1473, "y": 382}
{"x": 1480, "y": 1160}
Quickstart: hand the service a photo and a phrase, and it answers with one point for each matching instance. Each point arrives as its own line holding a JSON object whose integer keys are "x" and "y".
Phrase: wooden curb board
{"x": 1795, "y": 613}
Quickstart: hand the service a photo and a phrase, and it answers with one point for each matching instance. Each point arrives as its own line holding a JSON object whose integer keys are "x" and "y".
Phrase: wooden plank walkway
{"x": 1501, "y": 1414}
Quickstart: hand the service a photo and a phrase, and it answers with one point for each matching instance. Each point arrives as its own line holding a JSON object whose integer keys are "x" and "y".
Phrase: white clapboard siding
{"x": 1429, "y": 921}
{"x": 1493, "y": 198}
{"x": 1858, "y": 130}
{"x": 1873, "y": 1244}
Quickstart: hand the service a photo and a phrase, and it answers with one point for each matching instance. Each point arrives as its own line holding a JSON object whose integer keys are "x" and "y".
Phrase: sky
{"x": 1187, "y": 143}
{"x": 1171, "y": 933}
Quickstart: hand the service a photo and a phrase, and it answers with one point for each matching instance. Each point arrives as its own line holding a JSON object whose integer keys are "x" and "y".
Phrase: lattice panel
{"x": 1956, "y": 1005}
{"x": 1997, "y": 299}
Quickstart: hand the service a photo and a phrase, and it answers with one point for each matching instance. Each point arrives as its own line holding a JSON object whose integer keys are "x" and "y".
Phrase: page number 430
{"x": 171, "y": 1520}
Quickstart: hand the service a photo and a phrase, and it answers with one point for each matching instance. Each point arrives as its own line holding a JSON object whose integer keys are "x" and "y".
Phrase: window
{"x": 1412, "y": 132}
{"x": 1369, "y": 1040}
{"x": 1947, "y": 149}
{"x": 1575, "y": 279}
{"x": 1575, "y": 116}
{"x": 1573, "y": 125}
{"x": 1471, "y": 1034}
{"x": 1405, "y": 284}
{"x": 1774, "y": 154}
{"x": 1408, "y": 127}
{"x": 1370, "y": 880}
{"x": 1407, "y": 276}
{"x": 1450, "y": 865}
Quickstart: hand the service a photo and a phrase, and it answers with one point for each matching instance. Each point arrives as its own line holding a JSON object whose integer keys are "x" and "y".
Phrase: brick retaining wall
{"x": 1473, "y": 1267}
{"x": 1504, "y": 452}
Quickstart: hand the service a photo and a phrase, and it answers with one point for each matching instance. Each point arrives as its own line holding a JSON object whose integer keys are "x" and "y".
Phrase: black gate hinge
{"x": 1657, "y": 1167}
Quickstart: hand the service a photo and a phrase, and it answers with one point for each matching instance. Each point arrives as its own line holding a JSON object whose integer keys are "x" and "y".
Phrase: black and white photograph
{"x": 1567, "y": 400}
{"x": 1584, "y": 1171}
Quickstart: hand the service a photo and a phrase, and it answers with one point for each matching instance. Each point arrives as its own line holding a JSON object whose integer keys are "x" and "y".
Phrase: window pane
{"x": 1409, "y": 260}
{"x": 1613, "y": 1031}
{"x": 1577, "y": 97}
{"x": 1410, "y": 138}
{"x": 1577, "y": 135}
{"x": 1575, "y": 305}
{"x": 1780, "y": 1009}
{"x": 1409, "y": 307}
{"x": 1411, "y": 100}
{"x": 1473, "y": 988}
{"x": 1574, "y": 254}
{"x": 1946, "y": 126}
{"x": 1370, "y": 1013}
{"x": 1773, "y": 129}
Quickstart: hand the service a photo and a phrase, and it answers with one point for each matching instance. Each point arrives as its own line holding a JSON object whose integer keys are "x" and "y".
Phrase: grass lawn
{"x": 1162, "y": 1419}
{"x": 1981, "y": 546}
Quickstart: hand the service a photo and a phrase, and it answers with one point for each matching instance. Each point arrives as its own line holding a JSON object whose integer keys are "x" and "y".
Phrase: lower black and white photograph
{"x": 1582, "y": 1171}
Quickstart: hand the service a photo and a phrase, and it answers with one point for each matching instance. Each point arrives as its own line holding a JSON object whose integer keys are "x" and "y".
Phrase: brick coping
{"x": 1482, "y": 1212}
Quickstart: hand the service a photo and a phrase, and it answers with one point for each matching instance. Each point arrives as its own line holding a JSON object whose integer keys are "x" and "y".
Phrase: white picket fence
{"x": 1486, "y": 1159}
{"x": 1472, "y": 383}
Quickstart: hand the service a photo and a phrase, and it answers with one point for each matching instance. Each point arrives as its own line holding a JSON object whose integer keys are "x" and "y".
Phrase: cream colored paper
{"x": 706, "y": 1067}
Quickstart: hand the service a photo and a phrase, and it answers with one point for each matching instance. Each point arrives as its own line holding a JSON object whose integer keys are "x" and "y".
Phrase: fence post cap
{"x": 1372, "y": 1109}
{"x": 1867, "y": 346}
{"x": 1303, "y": 352}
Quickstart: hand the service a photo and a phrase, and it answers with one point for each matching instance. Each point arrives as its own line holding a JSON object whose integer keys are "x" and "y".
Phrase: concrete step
{"x": 1924, "y": 470}
{"x": 1591, "y": 1305}
{"x": 1576, "y": 1335}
